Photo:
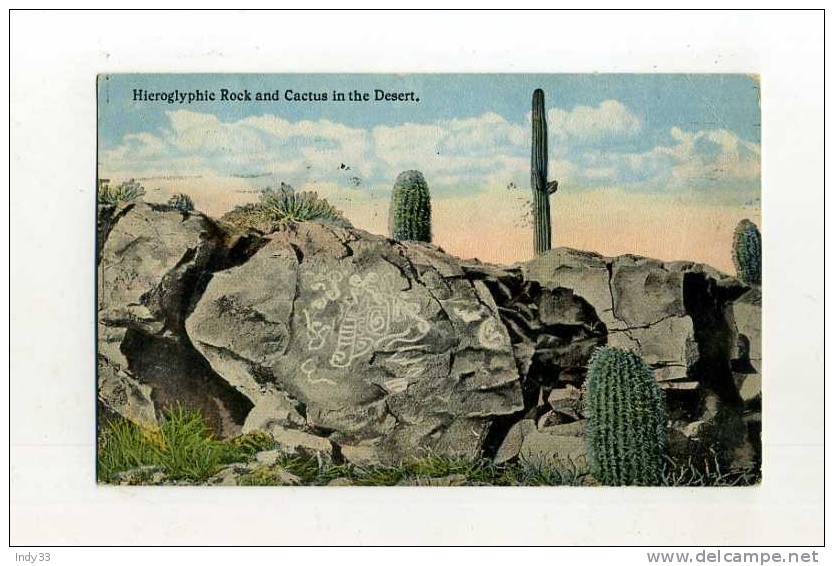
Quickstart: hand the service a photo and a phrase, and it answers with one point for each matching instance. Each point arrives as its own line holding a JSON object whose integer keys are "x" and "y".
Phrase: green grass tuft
{"x": 183, "y": 447}
{"x": 253, "y": 442}
{"x": 477, "y": 472}
{"x": 124, "y": 446}
{"x": 538, "y": 472}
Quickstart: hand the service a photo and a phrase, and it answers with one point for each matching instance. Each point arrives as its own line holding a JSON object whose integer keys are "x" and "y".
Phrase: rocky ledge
{"x": 370, "y": 350}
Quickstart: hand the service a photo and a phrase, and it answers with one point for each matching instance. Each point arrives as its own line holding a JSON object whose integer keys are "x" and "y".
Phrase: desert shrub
{"x": 747, "y": 252}
{"x": 181, "y": 202}
{"x": 278, "y": 207}
{"x": 410, "y": 214}
{"x": 123, "y": 193}
{"x": 626, "y": 431}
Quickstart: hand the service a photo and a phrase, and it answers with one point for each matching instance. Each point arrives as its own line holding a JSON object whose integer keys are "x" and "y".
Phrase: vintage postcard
{"x": 429, "y": 279}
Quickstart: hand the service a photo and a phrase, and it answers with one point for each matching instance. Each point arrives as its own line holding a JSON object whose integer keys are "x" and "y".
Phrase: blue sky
{"x": 693, "y": 135}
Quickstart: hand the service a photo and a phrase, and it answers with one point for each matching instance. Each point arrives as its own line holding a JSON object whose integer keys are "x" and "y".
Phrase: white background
{"x": 54, "y": 60}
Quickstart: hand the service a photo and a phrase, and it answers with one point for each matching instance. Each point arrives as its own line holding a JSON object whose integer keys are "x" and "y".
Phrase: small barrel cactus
{"x": 410, "y": 214}
{"x": 626, "y": 431}
{"x": 181, "y": 202}
{"x": 747, "y": 252}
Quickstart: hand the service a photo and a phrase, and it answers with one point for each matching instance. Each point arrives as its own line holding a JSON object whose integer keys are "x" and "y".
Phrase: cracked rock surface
{"x": 151, "y": 262}
{"x": 691, "y": 323}
{"x": 370, "y": 350}
{"x": 658, "y": 309}
{"x": 389, "y": 349}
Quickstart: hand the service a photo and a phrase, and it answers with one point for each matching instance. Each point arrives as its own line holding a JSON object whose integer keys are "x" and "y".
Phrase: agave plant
{"x": 123, "y": 193}
{"x": 277, "y": 207}
{"x": 287, "y": 205}
{"x": 181, "y": 202}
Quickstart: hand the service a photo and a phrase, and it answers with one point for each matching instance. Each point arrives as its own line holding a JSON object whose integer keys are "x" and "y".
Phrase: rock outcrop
{"x": 151, "y": 266}
{"x": 689, "y": 322}
{"x": 664, "y": 311}
{"x": 357, "y": 347}
{"x": 395, "y": 349}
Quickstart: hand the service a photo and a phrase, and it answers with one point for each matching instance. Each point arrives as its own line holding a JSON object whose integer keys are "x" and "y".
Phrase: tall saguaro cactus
{"x": 542, "y": 189}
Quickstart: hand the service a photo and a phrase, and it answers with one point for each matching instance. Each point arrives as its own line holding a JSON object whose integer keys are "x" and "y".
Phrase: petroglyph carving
{"x": 372, "y": 315}
{"x": 317, "y": 331}
{"x": 329, "y": 283}
{"x": 309, "y": 367}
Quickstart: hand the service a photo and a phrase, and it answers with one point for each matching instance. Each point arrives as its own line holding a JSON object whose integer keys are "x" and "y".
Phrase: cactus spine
{"x": 747, "y": 252}
{"x": 626, "y": 431}
{"x": 410, "y": 214}
{"x": 542, "y": 189}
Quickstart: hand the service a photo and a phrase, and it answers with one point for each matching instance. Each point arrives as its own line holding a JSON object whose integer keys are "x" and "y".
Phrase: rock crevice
{"x": 393, "y": 350}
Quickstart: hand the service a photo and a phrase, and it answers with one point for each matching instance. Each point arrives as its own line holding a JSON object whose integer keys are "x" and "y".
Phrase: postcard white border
{"x": 54, "y": 60}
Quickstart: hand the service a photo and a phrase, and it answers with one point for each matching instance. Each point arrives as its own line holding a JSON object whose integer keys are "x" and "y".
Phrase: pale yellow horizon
{"x": 490, "y": 225}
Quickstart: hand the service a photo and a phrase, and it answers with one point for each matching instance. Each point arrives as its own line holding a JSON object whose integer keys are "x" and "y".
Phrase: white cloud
{"x": 703, "y": 160}
{"x": 456, "y": 155}
{"x": 197, "y": 143}
{"x": 713, "y": 154}
{"x": 592, "y": 124}
{"x": 468, "y": 150}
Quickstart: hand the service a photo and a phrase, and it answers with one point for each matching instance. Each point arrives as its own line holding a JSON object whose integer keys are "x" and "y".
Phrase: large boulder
{"x": 558, "y": 446}
{"x": 360, "y": 348}
{"x": 391, "y": 349}
{"x": 747, "y": 315}
{"x": 152, "y": 261}
{"x": 697, "y": 328}
{"x": 149, "y": 264}
{"x": 367, "y": 338}
{"x": 676, "y": 315}
{"x": 747, "y": 367}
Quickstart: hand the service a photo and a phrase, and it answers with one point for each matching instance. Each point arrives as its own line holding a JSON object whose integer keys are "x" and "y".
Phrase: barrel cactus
{"x": 626, "y": 431}
{"x": 181, "y": 202}
{"x": 747, "y": 252}
{"x": 410, "y": 214}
